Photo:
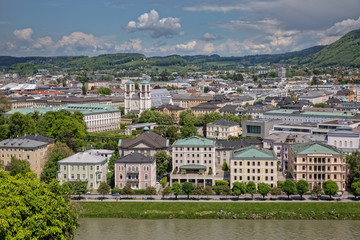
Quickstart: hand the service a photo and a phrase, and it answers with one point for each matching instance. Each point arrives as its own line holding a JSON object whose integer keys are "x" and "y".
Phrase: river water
{"x": 209, "y": 229}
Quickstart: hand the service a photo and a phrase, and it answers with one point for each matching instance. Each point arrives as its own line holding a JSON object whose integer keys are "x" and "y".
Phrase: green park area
{"x": 221, "y": 210}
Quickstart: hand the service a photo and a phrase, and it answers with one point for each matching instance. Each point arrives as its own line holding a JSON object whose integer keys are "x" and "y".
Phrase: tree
{"x": 355, "y": 188}
{"x": 80, "y": 188}
{"x": 320, "y": 105}
{"x": 199, "y": 190}
{"x": 163, "y": 163}
{"x": 103, "y": 189}
{"x": 166, "y": 191}
{"x": 176, "y": 189}
{"x": 110, "y": 177}
{"x": 353, "y": 160}
{"x": 302, "y": 187}
{"x": 225, "y": 190}
{"x": 251, "y": 189}
{"x": 127, "y": 190}
{"x": 150, "y": 191}
{"x": 51, "y": 167}
{"x": 36, "y": 213}
{"x": 18, "y": 166}
{"x": 67, "y": 188}
{"x": 316, "y": 190}
{"x": 189, "y": 128}
{"x": 225, "y": 167}
{"x": 330, "y": 187}
{"x": 275, "y": 191}
{"x": 239, "y": 188}
{"x": 264, "y": 189}
{"x": 5, "y": 104}
{"x": 4, "y": 132}
{"x": 208, "y": 191}
{"x": 20, "y": 124}
{"x": 206, "y": 89}
{"x": 289, "y": 188}
{"x": 188, "y": 188}
{"x": 104, "y": 91}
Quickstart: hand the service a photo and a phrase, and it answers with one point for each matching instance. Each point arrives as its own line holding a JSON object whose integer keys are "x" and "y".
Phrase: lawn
{"x": 215, "y": 210}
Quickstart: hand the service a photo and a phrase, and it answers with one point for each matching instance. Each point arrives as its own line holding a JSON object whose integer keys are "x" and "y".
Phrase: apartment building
{"x": 148, "y": 143}
{"x": 29, "y": 147}
{"x": 90, "y": 167}
{"x": 135, "y": 169}
{"x": 193, "y": 160}
{"x": 253, "y": 164}
{"x": 222, "y": 129}
{"x": 316, "y": 163}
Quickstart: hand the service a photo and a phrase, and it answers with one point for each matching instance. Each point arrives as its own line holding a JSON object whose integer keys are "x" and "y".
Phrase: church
{"x": 137, "y": 101}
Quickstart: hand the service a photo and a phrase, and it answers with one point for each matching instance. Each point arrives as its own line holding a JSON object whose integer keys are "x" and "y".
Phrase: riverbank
{"x": 216, "y": 210}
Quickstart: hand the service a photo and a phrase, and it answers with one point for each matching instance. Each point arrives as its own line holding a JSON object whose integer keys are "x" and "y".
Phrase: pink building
{"x": 135, "y": 169}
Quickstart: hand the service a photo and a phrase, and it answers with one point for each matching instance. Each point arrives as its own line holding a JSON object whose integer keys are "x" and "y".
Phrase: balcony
{"x": 129, "y": 181}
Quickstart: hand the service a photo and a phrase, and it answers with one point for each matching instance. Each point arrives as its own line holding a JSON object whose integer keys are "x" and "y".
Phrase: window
{"x": 72, "y": 176}
{"x": 235, "y": 170}
{"x": 253, "y": 170}
{"x": 99, "y": 176}
{"x": 64, "y": 176}
{"x": 272, "y": 163}
{"x": 235, "y": 178}
{"x": 266, "y": 163}
{"x": 258, "y": 163}
{"x": 120, "y": 176}
{"x": 266, "y": 178}
{"x": 258, "y": 178}
{"x": 248, "y": 170}
{"x": 258, "y": 171}
{"x": 235, "y": 163}
{"x": 91, "y": 176}
{"x": 84, "y": 168}
{"x": 253, "y": 163}
{"x": 64, "y": 167}
{"x": 253, "y": 129}
{"x": 146, "y": 176}
{"x": 91, "y": 168}
{"x": 83, "y": 176}
{"x": 97, "y": 168}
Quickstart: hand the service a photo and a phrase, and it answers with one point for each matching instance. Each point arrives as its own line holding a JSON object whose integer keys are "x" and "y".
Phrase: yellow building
{"x": 316, "y": 163}
{"x": 173, "y": 110}
{"x": 29, "y": 147}
{"x": 204, "y": 108}
{"x": 253, "y": 164}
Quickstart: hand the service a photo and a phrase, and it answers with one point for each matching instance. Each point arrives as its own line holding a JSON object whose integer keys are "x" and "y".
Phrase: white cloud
{"x": 343, "y": 27}
{"x": 189, "y": 46}
{"x": 208, "y": 37}
{"x": 208, "y": 48}
{"x": 81, "y": 42}
{"x": 44, "y": 42}
{"x": 132, "y": 45}
{"x": 24, "y": 34}
{"x": 150, "y": 22}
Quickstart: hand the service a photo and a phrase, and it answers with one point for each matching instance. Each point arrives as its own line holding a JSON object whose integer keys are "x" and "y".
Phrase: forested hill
{"x": 343, "y": 52}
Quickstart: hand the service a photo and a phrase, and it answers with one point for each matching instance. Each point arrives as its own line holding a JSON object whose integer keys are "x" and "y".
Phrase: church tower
{"x": 129, "y": 92}
{"x": 145, "y": 96}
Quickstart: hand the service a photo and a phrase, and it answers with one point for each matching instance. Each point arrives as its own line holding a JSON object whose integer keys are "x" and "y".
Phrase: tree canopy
{"x": 330, "y": 187}
{"x": 104, "y": 91}
{"x": 239, "y": 188}
{"x": 30, "y": 209}
{"x": 302, "y": 187}
{"x": 163, "y": 163}
{"x": 289, "y": 187}
{"x": 264, "y": 189}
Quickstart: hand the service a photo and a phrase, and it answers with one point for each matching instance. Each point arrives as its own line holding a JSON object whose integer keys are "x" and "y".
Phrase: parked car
{"x": 116, "y": 194}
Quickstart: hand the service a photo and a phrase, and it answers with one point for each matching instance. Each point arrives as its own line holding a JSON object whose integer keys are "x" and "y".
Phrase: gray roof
{"x": 37, "y": 138}
{"x": 245, "y": 142}
{"x": 136, "y": 158}
{"x": 160, "y": 97}
{"x": 21, "y": 143}
{"x": 224, "y": 122}
{"x": 91, "y": 156}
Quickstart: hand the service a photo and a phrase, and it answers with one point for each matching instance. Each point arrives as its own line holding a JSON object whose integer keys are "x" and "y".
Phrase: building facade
{"x": 316, "y": 163}
{"x": 90, "y": 167}
{"x": 253, "y": 164}
{"x": 137, "y": 101}
{"x": 136, "y": 170}
{"x": 29, "y": 147}
{"x": 222, "y": 129}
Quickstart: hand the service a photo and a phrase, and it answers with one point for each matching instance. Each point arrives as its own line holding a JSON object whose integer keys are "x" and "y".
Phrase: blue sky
{"x": 159, "y": 28}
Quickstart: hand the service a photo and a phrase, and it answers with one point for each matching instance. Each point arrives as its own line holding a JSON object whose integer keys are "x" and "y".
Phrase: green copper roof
{"x": 254, "y": 153}
{"x": 194, "y": 141}
{"x": 192, "y": 167}
{"x": 129, "y": 82}
{"x": 314, "y": 148}
{"x": 144, "y": 82}
{"x": 85, "y": 109}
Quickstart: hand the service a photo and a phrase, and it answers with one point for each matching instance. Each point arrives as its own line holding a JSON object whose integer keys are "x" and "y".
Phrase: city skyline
{"x": 159, "y": 28}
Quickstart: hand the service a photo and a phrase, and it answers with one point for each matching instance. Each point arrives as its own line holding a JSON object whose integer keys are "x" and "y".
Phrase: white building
{"x": 222, "y": 129}
{"x": 90, "y": 167}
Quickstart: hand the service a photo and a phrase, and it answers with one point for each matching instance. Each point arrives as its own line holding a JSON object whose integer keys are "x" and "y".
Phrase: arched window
{"x": 340, "y": 143}
{"x": 351, "y": 144}
{"x": 345, "y": 145}
{"x": 146, "y": 176}
{"x": 133, "y": 168}
{"x": 335, "y": 143}
{"x": 120, "y": 176}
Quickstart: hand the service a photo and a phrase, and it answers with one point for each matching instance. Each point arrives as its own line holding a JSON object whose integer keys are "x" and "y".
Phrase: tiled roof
{"x": 194, "y": 141}
{"x": 238, "y": 144}
{"x": 254, "y": 153}
{"x": 21, "y": 143}
{"x": 314, "y": 148}
{"x": 136, "y": 158}
{"x": 149, "y": 138}
{"x": 37, "y": 138}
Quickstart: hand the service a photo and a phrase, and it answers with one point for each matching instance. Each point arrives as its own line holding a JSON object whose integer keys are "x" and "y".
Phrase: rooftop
{"x": 254, "y": 153}
{"x": 90, "y": 156}
{"x": 314, "y": 148}
{"x": 194, "y": 141}
{"x": 136, "y": 158}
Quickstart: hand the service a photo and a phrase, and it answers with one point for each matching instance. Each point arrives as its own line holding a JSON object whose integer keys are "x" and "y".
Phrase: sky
{"x": 160, "y": 28}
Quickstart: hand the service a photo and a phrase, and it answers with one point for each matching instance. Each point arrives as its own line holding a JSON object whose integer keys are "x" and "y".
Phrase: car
{"x": 116, "y": 194}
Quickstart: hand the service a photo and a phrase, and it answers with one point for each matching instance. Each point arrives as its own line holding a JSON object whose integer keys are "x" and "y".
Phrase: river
{"x": 210, "y": 229}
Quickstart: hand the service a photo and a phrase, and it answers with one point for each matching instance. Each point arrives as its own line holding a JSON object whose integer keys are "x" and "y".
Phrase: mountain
{"x": 343, "y": 52}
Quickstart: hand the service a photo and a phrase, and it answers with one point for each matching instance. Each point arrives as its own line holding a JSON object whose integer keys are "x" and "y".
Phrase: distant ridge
{"x": 343, "y": 52}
